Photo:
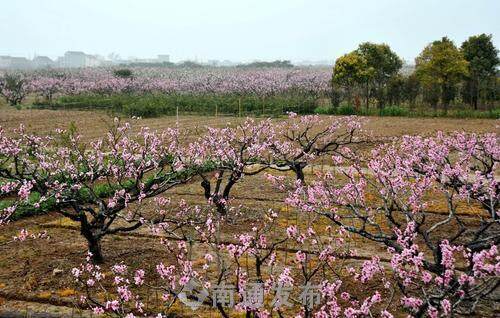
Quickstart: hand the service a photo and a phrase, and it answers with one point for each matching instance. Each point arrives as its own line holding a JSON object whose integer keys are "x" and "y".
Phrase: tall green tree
{"x": 394, "y": 91}
{"x": 482, "y": 56}
{"x": 383, "y": 64}
{"x": 411, "y": 89}
{"x": 348, "y": 72}
{"x": 441, "y": 65}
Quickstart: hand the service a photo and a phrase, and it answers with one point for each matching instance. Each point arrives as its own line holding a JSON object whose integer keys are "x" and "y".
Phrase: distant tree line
{"x": 163, "y": 64}
{"x": 191, "y": 64}
{"x": 444, "y": 74}
{"x": 277, "y": 63}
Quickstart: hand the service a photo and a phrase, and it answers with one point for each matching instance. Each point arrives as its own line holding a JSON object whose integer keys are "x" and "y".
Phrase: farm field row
{"x": 92, "y": 125}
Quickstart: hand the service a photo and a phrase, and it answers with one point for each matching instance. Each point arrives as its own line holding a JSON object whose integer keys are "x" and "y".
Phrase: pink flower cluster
{"x": 429, "y": 206}
{"x": 192, "y": 81}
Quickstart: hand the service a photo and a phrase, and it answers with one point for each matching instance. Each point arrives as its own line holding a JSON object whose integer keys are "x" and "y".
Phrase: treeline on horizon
{"x": 444, "y": 76}
{"x": 193, "y": 64}
{"x": 447, "y": 81}
{"x": 370, "y": 81}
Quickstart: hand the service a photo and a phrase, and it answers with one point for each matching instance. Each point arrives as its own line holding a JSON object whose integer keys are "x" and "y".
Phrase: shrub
{"x": 324, "y": 110}
{"x": 346, "y": 110}
{"x": 123, "y": 73}
{"x": 141, "y": 110}
{"x": 394, "y": 111}
{"x": 29, "y": 208}
{"x": 155, "y": 104}
{"x": 468, "y": 113}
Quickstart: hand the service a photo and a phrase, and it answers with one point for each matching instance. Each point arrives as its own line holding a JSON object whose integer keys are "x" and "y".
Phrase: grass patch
{"x": 400, "y": 111}
{"x": 155, "y": 105}
{"x": 394, "y": 111}
{"x": 346, "y": 110}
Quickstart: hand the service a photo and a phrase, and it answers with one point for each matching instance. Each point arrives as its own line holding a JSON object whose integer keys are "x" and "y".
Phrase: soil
{"x": 35, "y": 274}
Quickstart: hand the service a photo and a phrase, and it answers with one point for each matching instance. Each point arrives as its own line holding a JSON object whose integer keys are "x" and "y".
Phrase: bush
{"x": 142, "y": 109}
{"x": 346, "y": 110}
{"x": 468, "y": 113}
{"x": 153, "y": 105}
{"x": 394, "y": 111}
{"x": 28, "y": 209}
{"x": 324, "y": 110}
{"x": 123, "y": 73}
{"x": 495, "y": 113}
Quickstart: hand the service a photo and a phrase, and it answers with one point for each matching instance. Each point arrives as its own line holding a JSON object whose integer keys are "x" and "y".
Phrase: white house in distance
{"x": 4, "y": 61}
{"x": 12, "y": 62}
{"x": 71, "y": 59}
{"x": 77, "y": 59}
{"x": 42, "y": 62}
{"x": 162, "y": 58}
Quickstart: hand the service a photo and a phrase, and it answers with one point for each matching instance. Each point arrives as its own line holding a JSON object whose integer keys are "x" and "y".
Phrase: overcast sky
{"x": 237, "y": 29}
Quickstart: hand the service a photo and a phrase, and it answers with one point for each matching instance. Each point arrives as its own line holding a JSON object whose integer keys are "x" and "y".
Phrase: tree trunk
{"x": 380, "y": 98}
{"x": 221, "y": 207}
{"x": 229, "y": 186}
{"x": 93, "y": 241}
{"x": 367, "y": 96}
{"x": 444, "y": 98}
{"x": 95, "y": 249}
{"x": 216, "y": 198}
{"x": 475, "y": 94}
{"x": 349, "y": 96}
{"x": 299, "y": 172}
{"x": 206, "y": 187}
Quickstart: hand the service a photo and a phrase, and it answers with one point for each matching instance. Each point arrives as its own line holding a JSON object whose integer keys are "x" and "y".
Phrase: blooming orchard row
{"x": 428, "y": 206}
{"x": 261, "y": 82}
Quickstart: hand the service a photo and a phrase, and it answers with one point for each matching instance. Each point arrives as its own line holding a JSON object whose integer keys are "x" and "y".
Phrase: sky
{"x": 238, "y": 30}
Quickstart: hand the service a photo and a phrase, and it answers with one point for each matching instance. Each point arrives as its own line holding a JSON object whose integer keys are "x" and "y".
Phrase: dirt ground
{"x": 93, "y": 124}
{"x": 38, "y": 279}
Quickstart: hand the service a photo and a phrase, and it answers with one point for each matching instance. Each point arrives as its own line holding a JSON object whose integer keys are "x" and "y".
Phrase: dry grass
{"x": 93, "y": 124}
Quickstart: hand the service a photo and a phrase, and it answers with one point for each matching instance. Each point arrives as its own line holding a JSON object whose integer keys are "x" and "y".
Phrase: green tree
{"x": 483, "y": 60}
{"x": 411, "y": 89}
{"x": 382, "y": 65}
{"x": 395, "y": 88}
{"x": 348, "y": 72}
{"x": 441, "y": 66}
{"x": 123, "y": 73}
{"x": 13, "y": 88}
{"x": 430, "y": 93}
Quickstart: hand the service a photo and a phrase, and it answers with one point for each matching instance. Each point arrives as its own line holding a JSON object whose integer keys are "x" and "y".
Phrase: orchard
{"x": 257, "y": 159}
{"x": 408, "y": 226}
